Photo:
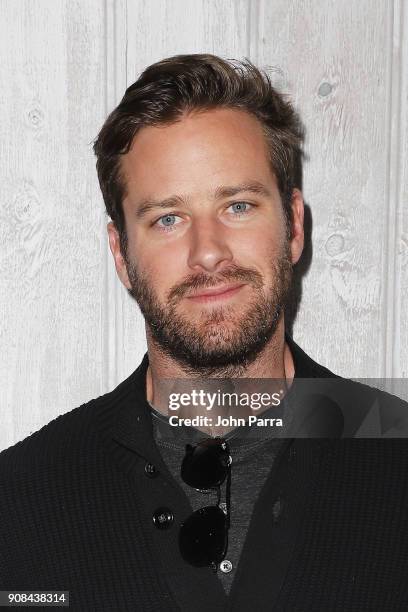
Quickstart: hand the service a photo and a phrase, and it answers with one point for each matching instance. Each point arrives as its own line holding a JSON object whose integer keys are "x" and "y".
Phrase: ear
{"x": 297, "y": 231}
{"x": 114, "y": 244}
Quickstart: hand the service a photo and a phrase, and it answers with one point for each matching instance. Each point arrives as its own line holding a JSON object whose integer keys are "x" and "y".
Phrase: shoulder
{"x": 364, "y": 407}
{"x": 69, "y": 436}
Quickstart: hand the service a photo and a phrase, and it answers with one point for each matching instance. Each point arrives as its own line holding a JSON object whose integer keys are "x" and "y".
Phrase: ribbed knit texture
{"x": 76, "y": 513}
{"x": 70, "y": 519}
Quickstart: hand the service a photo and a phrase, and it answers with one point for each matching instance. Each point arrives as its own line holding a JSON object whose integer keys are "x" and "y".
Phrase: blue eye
{"x": 240, "y": 208}
{"x": 167, "y": 223}
{"x": 168, "y": 220}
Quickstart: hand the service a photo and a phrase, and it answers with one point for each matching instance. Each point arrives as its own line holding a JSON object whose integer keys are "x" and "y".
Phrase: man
{"x": 115, "y": 504}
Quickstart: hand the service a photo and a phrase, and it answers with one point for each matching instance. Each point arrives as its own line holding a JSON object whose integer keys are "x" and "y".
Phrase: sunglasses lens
{"x": 206, "y": 465}
{"x": 203, "y": 537}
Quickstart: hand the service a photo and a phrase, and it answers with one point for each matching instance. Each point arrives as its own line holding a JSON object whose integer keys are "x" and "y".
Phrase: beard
{"x": 221, "y": 341}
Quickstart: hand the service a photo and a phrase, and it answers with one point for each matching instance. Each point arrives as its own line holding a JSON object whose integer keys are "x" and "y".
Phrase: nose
{"x": 209, "y": 248}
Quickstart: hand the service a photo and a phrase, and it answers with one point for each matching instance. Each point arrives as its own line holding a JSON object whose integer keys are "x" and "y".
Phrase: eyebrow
{"x": 145, "y": 206}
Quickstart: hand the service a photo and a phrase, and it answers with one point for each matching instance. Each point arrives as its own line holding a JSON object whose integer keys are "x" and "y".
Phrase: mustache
{"x": 203, "y": 281}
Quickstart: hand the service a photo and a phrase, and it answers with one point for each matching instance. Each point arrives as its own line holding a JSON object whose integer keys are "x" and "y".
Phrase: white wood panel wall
{"x": 68, "y": 330}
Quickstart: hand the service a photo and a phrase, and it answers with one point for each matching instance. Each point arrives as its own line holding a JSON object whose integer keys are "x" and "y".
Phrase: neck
{"x": 273, "y": 362}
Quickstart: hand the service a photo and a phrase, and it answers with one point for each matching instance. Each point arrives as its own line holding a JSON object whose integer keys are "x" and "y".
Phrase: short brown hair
{"x": 168, "y": 89}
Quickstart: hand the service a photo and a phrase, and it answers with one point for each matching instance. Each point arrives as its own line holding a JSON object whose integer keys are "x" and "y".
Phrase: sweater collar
{"x": 133, "y": 420}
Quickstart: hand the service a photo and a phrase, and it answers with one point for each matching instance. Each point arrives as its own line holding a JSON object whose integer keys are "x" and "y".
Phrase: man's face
{"x": 208, "y": 258}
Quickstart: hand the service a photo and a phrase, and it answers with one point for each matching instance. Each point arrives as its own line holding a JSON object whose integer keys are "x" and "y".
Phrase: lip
{"x": 216, "y": 293}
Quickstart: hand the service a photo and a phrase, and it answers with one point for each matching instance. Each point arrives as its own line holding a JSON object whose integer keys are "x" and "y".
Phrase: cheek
{"x": 161, "y": 269}
{"x": 257, "y": 249}
{"x": 161, "y": 255}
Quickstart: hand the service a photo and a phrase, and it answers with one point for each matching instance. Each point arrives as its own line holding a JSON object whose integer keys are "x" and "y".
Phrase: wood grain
{"x": 51, "y": 266}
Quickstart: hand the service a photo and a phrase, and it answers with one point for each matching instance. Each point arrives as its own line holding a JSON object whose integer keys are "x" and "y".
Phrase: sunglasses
{"x": 203, "y": 537}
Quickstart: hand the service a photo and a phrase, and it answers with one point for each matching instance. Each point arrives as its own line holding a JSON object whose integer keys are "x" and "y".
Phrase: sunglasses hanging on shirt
{"x": 203, "y": 537}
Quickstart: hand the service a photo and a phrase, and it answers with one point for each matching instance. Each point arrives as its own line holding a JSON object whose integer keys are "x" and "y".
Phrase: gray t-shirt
{"x": 252, "y": 459}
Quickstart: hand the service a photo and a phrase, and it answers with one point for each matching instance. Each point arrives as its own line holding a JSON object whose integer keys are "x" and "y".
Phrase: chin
{"x": 227, "y": 317}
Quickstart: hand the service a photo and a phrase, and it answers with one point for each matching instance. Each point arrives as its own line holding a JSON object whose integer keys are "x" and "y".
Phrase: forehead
{"x": 199, "y": 152}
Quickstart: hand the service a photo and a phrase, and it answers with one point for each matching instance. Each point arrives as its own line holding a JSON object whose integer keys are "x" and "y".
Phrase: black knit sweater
{"x": 77, "y": 501}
